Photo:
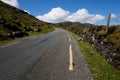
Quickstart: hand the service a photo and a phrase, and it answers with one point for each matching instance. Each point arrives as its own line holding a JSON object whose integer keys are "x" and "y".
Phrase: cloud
{"x": 12, "y": 2}
{"x": 55, "y": 15}
{"x": 113, "y": 16}
{"x": 27, "y": 11}
{"x": 82, "y": 15}
{"x": 59, "y": 15}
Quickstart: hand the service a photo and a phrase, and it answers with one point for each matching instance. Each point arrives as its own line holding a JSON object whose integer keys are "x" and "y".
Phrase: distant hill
{"x": 76, "y": 27}
{"x": 17, "y": 23}
{"x": 88, "y": 25}
{"x": 74, "y": 24}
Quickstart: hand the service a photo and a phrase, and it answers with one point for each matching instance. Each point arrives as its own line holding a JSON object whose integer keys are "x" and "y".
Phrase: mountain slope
{"x": 17, "y": 23}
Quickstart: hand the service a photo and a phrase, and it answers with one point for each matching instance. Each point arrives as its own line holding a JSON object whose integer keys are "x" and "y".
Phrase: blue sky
{"x": 85, "y": 11}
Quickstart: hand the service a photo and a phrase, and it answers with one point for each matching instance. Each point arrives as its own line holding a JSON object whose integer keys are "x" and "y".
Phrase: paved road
{"x": 52, "y": 56}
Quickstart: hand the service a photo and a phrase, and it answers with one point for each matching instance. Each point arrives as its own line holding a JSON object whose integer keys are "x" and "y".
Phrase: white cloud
{"x": 27, "y": 11}
{"x": 12, "y": 2}
{"x": 55, "y": 15}
{"x": 82, "y": 15}
{"x": 60, "y": 15}
{"x": 113, "y": 16}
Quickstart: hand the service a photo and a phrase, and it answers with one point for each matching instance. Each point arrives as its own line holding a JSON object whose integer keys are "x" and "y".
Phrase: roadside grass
{"x": 100, "y": 68}
{"x": 4, "y": 42}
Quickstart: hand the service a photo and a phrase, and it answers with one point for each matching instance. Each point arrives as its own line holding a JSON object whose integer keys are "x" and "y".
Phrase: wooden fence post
{"x": 108, "y": 22}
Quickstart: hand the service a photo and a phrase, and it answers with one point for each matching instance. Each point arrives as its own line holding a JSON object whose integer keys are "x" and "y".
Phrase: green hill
{"x": 17, "y": 23}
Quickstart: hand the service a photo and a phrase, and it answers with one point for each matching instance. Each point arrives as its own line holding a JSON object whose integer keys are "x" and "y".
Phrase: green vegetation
{"x": 112, "y": 37}
{"x": 72, "y": 26}
{"x": 99, "y": 67}
{"x": 15, "y": 23}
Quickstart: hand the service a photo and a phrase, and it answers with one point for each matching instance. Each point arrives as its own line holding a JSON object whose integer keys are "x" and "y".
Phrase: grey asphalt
{"x": 43, "y": 57}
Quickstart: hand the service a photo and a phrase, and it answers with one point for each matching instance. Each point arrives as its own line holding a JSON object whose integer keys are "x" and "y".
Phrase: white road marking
{"x": 10, "y": 44}
{"x": 69, "y": 39}
{"x": 71, "y": 58}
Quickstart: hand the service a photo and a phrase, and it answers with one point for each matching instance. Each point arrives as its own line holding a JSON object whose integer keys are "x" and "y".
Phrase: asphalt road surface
{"x": 52, "y": 56}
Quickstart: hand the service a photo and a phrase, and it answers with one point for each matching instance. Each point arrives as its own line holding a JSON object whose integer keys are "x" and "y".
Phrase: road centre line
{"x": 69, "y": 39}
{"x": 71, "y": 58}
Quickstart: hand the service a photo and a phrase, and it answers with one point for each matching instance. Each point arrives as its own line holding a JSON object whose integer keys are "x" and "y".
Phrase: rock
{"x": 92, "y": 53}
{"x": 105, "y": 49}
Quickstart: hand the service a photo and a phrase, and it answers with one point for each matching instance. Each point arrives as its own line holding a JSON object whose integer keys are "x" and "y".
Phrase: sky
{"x": 84, "y": 11}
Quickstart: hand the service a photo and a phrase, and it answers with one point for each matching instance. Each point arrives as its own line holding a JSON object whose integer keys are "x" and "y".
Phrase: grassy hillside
{"x": 17, "y": 23}
{"x": 73, "y": 25}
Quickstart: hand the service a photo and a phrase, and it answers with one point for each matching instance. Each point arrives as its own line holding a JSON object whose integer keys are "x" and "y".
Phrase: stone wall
{"x": 105, "y": 49}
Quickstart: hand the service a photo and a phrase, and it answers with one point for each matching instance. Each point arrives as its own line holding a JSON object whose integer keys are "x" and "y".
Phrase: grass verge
{"x": 99, "y": 67}
{"x": 4, "y": 42}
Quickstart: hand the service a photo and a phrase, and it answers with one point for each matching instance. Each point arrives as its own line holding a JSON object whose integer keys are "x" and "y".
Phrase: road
{"x": 52, "y": 56}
